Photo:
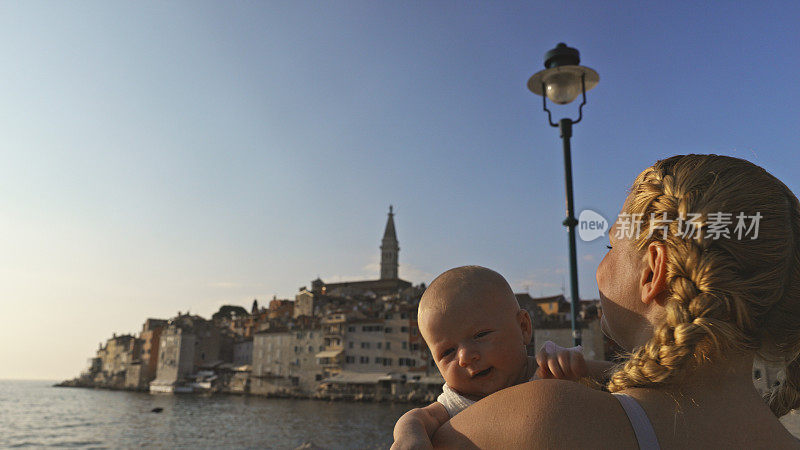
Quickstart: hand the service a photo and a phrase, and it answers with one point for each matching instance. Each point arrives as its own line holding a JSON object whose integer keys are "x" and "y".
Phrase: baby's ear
{"x": 524, "y": 320}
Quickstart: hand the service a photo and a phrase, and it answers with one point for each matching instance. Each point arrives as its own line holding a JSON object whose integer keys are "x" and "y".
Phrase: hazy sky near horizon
{"x": 165, "y": 156}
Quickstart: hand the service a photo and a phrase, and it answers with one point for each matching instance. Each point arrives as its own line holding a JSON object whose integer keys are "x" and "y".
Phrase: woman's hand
{"x": 559, "y": 362}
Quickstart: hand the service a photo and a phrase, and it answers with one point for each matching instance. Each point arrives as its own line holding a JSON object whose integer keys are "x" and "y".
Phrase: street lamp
{"x": 562, "y": 80}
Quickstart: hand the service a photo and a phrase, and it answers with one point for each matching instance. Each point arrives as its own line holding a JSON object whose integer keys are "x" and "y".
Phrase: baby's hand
{"x": 559, "y": 362}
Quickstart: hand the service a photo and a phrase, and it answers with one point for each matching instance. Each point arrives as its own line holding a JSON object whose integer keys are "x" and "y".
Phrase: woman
{"x": 693, "y": 307}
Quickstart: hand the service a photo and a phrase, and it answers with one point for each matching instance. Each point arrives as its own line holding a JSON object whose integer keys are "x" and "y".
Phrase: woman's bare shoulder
{"x": 544, "y": 413}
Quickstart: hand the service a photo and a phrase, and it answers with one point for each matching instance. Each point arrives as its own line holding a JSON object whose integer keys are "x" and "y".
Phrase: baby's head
{"x": 475, "y": 330}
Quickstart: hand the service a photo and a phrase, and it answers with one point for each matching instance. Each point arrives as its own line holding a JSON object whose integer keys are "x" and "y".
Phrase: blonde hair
{"x": 725, "y": 295}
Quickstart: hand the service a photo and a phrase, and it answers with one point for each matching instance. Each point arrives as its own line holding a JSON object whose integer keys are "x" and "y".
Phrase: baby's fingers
{"x": 565, "y": 363}
{"x": 542, "y": 371}
{"x": 578, "y": 365}
{"x": 555, "y": 368}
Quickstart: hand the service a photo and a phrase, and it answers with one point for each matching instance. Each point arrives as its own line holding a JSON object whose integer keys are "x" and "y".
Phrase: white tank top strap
{"x": 642, "y": 427}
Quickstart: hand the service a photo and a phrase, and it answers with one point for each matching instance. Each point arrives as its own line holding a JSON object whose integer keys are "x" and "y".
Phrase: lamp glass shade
{"x": 562, "y": 87}
{"x": 562, "y": 84}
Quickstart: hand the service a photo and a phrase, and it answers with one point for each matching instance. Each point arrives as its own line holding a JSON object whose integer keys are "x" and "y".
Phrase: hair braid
{"x": 686, "y": 336}
{"x": 714, "y": 287}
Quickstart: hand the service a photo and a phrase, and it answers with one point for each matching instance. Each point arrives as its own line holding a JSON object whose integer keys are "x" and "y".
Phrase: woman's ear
{"x": 654, "y": 274}
{"x": 525, "y": 325}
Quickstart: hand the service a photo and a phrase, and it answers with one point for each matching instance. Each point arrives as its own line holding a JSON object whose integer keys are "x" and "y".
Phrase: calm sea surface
{"x": 34, "y": 414}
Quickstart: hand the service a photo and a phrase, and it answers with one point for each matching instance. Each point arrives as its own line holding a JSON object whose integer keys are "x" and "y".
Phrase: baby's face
{"x": 479, "y": 349}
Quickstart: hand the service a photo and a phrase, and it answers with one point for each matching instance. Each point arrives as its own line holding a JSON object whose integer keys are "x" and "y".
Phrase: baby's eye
{"x": 482, "y": 334}
{"x": 446, "y": 352}
{"x": 608, "y": 247}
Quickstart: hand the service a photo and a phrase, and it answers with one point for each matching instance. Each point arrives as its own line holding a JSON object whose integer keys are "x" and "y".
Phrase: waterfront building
{"x": 94, "y": 366}
{"x": 284, "y": 360}
{"x": 387, "y": 343}
{"x": 243, "y": 352}
{"x": 362, "y": 346}
{"x": 188, "y": 343}
{"x": 404, "y": 348}
{"x": 377, "y": 357}
{"x": 134, "y": 377}
{"x": 331, "y": 358}
{"x": 114, "y": 358}
{"x": 142, "y": 369}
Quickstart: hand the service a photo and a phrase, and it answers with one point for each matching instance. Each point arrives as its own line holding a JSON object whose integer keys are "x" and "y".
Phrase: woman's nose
{"x": 467, "y": 355}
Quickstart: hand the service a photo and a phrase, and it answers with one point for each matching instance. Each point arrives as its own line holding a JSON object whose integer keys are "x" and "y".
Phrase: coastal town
{"x": 355, "y": 340}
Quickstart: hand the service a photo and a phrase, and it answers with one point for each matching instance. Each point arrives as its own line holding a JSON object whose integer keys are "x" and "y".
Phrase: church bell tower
{"x": 389, "y": 250}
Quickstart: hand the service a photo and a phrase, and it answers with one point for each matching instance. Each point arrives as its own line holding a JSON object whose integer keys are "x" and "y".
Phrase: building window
{"x": 405, "y": 345}
{"x": 351, "y": 329}
{"x": 350, "y": 359}
{"x": 379, "y": 345}
{"x": 350, "y": 345}
{"x": 378, "y": 360}
{"x": 388, "y": 329}
{"x": 388, "y": 346}
{"x": 310, "y": 348}
{"x": 388, "y": 317}
{"x": 404, "y": 315}
{"x": 414, "y": 346}
{"x": 404, "y": 329}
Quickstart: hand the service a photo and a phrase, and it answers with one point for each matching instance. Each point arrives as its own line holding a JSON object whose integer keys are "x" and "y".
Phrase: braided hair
{"x": 725, "y": 292}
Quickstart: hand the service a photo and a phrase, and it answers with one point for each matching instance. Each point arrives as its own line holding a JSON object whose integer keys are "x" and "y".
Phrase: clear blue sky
{"x": 165, "y": 156}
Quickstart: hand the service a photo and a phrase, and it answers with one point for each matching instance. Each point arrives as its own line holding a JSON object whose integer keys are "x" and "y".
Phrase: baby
{"x": 478, "y": 337}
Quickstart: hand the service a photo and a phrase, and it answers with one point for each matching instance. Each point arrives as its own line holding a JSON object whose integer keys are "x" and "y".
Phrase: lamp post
{"x": 562, "y": 80}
